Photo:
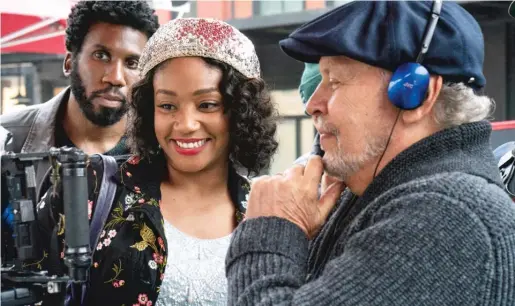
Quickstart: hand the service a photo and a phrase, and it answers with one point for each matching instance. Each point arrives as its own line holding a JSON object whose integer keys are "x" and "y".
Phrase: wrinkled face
{"x": 352, "y": 113}
{"x": 189, "y": 119}
{"x": 104, "y": 69}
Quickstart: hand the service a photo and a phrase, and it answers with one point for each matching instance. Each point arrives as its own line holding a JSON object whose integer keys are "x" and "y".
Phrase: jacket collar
{"x": 145, "y": 176}
{"x": 41, "y": 134}
{"x": 465, "y": 148}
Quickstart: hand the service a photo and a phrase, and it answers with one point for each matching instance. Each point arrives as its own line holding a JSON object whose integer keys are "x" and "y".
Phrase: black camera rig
{"x": 20, "y": 285}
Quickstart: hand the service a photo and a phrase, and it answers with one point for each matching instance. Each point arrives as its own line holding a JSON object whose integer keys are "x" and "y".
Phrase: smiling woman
{"x": 197, "y": 102}
{"x": 187, "y": 90}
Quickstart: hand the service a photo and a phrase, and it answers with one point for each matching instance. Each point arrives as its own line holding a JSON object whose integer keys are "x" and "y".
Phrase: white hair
{"x": 458, "y": 104}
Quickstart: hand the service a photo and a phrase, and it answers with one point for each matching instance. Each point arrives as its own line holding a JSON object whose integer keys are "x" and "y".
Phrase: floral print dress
{"x": 129, "y": 261}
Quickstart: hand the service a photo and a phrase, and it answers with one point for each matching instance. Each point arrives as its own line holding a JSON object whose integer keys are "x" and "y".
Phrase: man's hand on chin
{"x": 293, "y": 195}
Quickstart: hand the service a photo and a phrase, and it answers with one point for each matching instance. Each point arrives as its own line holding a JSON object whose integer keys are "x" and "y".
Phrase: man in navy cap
{"x": 403, "y": 124}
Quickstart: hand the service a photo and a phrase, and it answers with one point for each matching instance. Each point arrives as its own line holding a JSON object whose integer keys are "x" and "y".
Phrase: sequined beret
{"x": 202, "y": 37}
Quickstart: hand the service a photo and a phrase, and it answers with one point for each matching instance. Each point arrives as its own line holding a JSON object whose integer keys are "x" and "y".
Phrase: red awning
{"x": 46, "y": 39}
{"x": 29, "y": 26}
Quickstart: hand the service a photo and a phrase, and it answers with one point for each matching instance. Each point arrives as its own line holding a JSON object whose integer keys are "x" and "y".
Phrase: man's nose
{"x": 317, "y": 103}
{"x": 115, "y": 74}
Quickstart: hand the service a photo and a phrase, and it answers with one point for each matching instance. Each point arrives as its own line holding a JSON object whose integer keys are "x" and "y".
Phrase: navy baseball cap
{"x": 387, "y": 34}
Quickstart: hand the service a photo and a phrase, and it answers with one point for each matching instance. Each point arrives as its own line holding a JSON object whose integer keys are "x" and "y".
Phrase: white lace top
{"x": 195, "y": 270}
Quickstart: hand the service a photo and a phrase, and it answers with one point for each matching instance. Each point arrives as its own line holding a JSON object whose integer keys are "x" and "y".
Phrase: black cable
{"x": 387, "y": 143}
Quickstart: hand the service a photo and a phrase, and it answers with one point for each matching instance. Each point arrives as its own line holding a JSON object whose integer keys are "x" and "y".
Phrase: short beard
{"x": 342, "y": 165}
{"x": 103, "y": 117}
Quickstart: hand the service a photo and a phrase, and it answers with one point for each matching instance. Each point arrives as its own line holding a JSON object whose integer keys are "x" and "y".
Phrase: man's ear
{"x": 67, "y": 64}
{"x": 433, "y": 91}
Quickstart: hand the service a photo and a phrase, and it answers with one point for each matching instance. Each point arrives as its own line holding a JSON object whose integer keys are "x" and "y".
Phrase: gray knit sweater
{"x": 434, "y": 228}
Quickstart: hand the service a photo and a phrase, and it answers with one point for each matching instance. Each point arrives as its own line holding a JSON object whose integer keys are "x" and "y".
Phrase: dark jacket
{"x": 130, "y": 259}
{"x": 435, "y": 227}
{"x": 33, "y": 130}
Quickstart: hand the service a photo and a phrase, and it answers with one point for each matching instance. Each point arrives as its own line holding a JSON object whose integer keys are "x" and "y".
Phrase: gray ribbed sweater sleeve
{"x": 419, "y": 249}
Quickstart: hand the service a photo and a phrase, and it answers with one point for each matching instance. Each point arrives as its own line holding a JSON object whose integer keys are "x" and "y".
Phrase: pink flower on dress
{"x": 161, "y": 242}
{"x": 137, "y": 189}
{"x": 121, "y": 282}
{"x": 112, "y": 233}
{"x": 90, "y": 208}
{"x": 107, "y": 241}
{"x": 128, "y": 174}
{"x": 95, "y": 264}
{"x": 141, "y": 201}
{"x": 62, "y": 254}
{"x": 143, "y": 299}
{"x": 149, "y": 303}
{"x": 116, "y": 284}
{"x": 158, "y": 258}
{"x": 99, "y": 246}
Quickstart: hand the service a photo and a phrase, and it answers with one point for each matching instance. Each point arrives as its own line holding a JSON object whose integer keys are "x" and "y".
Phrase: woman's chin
{"x": 188, "y": 164}
{"x": 191, "y": 169}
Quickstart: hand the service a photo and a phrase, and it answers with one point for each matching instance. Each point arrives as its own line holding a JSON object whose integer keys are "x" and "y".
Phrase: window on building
{"x": 267, "y": 7}
{"x": 336, "y": 3}
{"x": 295, "y": 135}
{"x": 16, "y": 87}
{"x": 270, "y": 7}
{"x": 293, "y": 6}
{"x": 295, "y": 131}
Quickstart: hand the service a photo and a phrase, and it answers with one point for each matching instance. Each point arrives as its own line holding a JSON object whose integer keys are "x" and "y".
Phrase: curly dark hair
{"x": 135, "y": 14}
{"x": 252, "y": 118}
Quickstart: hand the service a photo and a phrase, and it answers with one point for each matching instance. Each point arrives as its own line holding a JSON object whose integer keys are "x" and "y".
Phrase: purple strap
{"x": 104, "y": 200}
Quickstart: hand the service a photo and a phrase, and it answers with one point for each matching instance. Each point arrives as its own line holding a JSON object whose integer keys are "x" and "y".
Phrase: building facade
{"x": 267, "y": 22}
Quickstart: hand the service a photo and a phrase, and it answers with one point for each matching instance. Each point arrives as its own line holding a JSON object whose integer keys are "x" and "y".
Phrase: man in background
{"x": 308, "y": 84}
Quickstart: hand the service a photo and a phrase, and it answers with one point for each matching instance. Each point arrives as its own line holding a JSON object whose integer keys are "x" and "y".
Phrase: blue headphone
{"x": 409, "y": 82}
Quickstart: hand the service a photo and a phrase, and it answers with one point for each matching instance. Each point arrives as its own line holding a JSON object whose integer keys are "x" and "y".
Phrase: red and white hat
{"x": 203, "y": 37}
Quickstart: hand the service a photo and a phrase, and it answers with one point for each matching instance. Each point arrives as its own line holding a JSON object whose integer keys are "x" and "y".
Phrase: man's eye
{"x": 333, "y": 83}
{"x": 101, "y": 55}
{"x": 132, "y": 64}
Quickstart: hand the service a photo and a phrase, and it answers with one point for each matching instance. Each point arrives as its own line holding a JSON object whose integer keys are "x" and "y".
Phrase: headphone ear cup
{"x": 408, "y": 86}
